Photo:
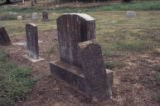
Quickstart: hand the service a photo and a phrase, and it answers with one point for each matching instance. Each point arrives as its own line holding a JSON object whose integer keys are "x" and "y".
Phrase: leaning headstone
{"x": 81, "y": 63}
{"x": 131, "y": 14}
{"x": 45, "y": 16}
{"x": 93, "y": 65}
{"x": 32, "y": 43}
{"x": 35, "y": 16}
{"x": 4, "y": 38}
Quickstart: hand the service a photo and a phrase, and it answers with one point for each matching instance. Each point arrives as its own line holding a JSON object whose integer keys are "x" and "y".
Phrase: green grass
{"x": 16, "y": 80}
{"x": 135, "y": 45}
{"x": 144, "y": 5}
{"x": 157, "y": 77}
{"x": 53, "y": 48}
{"x": 114, "y": 64}
{"x": 5, "y": 16}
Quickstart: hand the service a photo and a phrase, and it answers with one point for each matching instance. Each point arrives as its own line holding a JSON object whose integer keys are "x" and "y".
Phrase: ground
{"x": 129, "y": 49}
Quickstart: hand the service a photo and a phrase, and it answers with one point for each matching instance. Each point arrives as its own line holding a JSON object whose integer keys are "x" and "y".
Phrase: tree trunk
{"x": 8, "y": 1}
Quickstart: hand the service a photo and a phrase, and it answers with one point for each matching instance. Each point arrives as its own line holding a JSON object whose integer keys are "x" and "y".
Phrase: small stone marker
{"x": 35, "y": 16}
{"x": 19, "y": 18}
{"x": 45, "y": 16}
{"x": 131, "y": 14}
{"x": 81, "y": 63}
{"x": 32, "y": 43}
{"x": 4, "y": 38}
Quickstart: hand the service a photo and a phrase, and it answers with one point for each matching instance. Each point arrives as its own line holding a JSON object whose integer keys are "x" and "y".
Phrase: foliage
{"x": 5, "y": 16}
{"x": 15, "y": 81}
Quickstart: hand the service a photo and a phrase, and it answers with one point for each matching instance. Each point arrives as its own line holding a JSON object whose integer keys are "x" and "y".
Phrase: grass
{"x": 157, "y": 77}
{"x": 143, "y": 5}
{"x": 5, "y": 16}
{"x": 114, "y": 64}
{"x": 53, "y": 48}
{"x": 15, "y": 82}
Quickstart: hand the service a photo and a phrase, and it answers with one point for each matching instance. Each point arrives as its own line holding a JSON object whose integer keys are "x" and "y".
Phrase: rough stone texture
{"x": 94, "y": 69}
{"x": 70, "y": 74}
{"x": 72, "y": 29}
{"x": 45, "y": 16}
{"x": 32, "y": 40}
{"x": 4, "y": 38}
{"x": 81, "y": 63}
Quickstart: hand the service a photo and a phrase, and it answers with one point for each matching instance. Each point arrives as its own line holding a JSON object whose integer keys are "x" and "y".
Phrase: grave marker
{"x": 131, "y": 14}
{"x": 32, "y": 43}
{"x": 4, "y": 38}
{"x": 81, "y": 63}
{"x": 45, "y": 16}
{"x": 35, "y": 16}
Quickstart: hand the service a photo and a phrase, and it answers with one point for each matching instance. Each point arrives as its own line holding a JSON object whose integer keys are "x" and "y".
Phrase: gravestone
{"x": 4, "y": 38}
{"x": 19, "y": 18}
{"x": 45, "y": 16}
{"x": 72, "y": 29}
{"x": 131, "y": 14}
{"x": 32, "y": 43}
{"x": 81, "y": 63}
{"x": 35, "y": 16}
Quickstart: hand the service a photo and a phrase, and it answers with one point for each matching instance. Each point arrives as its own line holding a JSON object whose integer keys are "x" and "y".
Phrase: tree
{"x": 8, "y": 1}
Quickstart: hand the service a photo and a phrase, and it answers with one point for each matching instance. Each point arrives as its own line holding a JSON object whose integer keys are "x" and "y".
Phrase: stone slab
{"x": 74, "y": 77}
{"x": 94, "y": 69}
{"x": 131, "y": 14}
{"x": 33, "y": 59}
{"x": 4, "y": 38}
{"x": 72, "y": 29}
{"x": 32, "y": 40}
{"x": 69, "y": 73}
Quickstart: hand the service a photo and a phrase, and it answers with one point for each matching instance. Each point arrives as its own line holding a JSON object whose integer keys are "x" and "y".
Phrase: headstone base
{"x": 23, "y": 43}
{"x": 75, "y": 77}
{"x": 33, "y": 59}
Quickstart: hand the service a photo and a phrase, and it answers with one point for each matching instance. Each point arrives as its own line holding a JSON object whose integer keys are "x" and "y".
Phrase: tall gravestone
{"x": 4, "y": 38}
{"x": 81, "y": 63}
{"x": 32, "y": 43}
{"x": 72, "y": 29}
{"x": 45, "y": 16}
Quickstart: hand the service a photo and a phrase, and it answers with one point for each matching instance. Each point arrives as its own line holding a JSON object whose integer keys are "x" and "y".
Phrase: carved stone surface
{"x": 81, "y": 62}
{"x": 70, "y": 74}
{"x": 32, "y": 40}
{"x": 72, "y": 29}
{"x": 94, "y": 69}
{"x": 45, "y": 16}
{"x": 4, "y": 38}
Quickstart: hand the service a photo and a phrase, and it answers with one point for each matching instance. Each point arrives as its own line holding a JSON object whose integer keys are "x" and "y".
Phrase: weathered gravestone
{"x": 81, "y": 63}
{"x": 35, "y": 16}
{"x": 45, "y": 16}
{"x": 32, "y": 43}
{"x": 131, "y": 14}
{"x": 4, "y": 38}
{"x": 19, "y": 18}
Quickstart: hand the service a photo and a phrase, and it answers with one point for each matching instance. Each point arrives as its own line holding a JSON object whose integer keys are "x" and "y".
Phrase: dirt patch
{"x": 134, "y": 84}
